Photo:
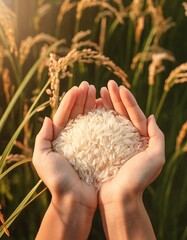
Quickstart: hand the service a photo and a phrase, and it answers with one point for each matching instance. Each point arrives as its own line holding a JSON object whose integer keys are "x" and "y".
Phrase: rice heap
{"x": 98, "y": 144}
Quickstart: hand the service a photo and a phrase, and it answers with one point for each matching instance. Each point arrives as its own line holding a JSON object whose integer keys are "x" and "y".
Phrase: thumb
{"x": 156, "y": 138}
{"x": 45, "y": 136}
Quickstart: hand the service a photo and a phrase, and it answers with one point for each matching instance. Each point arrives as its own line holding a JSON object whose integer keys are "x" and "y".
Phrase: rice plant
{"x": 141, "y": 44}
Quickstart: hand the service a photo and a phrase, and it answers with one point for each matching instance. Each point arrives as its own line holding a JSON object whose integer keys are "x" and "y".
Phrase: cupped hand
{"x": 52, "y": 168}
{"x": 142, "y": 169}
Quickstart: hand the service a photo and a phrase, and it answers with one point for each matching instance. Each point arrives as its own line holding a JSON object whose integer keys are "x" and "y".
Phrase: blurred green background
{"x": 123, "y": 31}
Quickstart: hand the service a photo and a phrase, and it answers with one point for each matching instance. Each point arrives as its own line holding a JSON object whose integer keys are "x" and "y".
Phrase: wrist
{"x": 129, "y": 204}
{"x": 72, "y": 213}
{"x": 121, "y": 217}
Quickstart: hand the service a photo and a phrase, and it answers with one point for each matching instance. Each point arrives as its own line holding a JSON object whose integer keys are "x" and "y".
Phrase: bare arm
{"x": 120, "y": 200}
{"x": 65, "y": 220}
{"x": 73, "y": 203}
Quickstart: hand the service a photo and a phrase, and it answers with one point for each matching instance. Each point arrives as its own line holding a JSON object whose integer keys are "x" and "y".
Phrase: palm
{"x": 54, "y": 169}
{"x": 77, "y": 101}
{"x": 139, "y": 171}
{"x": 61, "y": 177}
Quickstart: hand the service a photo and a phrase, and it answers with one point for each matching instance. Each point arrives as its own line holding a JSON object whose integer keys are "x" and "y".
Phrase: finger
{"x": 90, "y": 100}
{"x": 99, "y": 103}
{"x": 62, "y": 115}
{"x": 135, "y": 114}
{"x": 156, "y": 141}
{"x": 106, "y": 100}
{"x": 116, "y": 98}
{"x": 78, "y": 107}
{"x": 44, "y": 137}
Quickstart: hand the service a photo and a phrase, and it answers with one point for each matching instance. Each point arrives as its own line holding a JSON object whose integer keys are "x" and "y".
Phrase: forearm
{"x": 128, "y": 220}
{"x": 65, "y": 222}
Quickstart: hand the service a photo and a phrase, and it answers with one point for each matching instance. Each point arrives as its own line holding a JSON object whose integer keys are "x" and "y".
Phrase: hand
{"x": 120, "y": 200}
{"x": 139, "y": 171}
{"x": 68, "y": 191}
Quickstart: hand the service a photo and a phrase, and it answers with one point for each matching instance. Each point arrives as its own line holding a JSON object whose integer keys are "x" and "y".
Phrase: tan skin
{"x": 120, "y": 200}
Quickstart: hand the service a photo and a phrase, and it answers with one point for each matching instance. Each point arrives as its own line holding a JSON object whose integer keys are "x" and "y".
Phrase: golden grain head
{"x": 8, "y": 23}
{"x": 160, "y": 24}
{"x": 178, "y": 75}
{"x": 86, "y": 55}
{"x": 66, "y": 6}
{"x": 84, "y": 4}
{"x": 7, "y": 84}
{"x": 120, "y": 5}
{"x": 78, "y": 41}
{"x": 139, "y": 28}
{"x": 2, "y": 220}
{"x": 157, "y": 66}
{"x": 40, "y": 13}
{"x": 44, "y": 63}
{"x": 135, "y": 10}
{"x": 154, "y": 52}
{"x": 29, "y": 42}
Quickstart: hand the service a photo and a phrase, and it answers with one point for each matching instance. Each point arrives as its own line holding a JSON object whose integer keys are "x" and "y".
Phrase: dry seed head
{"x": 102, "y": 15}
{"x": 153, "y": 51}
{"x": 135, "y": 10}
{"x": 178, "y": 75}
{"x": 86, "y": 55}
{"x": 14, "y": 158}
{"x": 2, "y": 220}
{"x": 24, "y": 148}
{"x": 54, "y": 70}
{"x": 185, "y": 7}
{"x": 157, "y": 66}
{"x": 84, "y": 4}
{"x": 43, "y": 64}
{"x": 40, "y": 13}
{"x": 78, "y": 42}
{"x": 120, "y": 5}
{"x": 66, "y": 6}
{"x": 7, "y": 23}
{"x": 29, "y": 42}
{"x": 160, "y": 24}
{"x": 181, "y": 136}
{"x": 139, "y": 28}
{"x": 80, "y": 35}
{"x": 7, "y": 84}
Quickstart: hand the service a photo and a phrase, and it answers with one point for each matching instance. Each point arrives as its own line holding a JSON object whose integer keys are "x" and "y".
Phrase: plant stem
{"x": 129, "y": 42}
{"x": 17, "y": 164}
{"x": 20, "y": 207}
{"x": 143, "y": 57}
{"x": 149, "y": 99}
{"x": 24, "y": 83}
{"x": 166, "y": 187}
{"x": 160, "y": 105}
{"x": 30, "y": 113}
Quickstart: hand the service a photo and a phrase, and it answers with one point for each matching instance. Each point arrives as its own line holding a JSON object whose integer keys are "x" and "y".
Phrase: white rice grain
{"x": 98, "y": 144}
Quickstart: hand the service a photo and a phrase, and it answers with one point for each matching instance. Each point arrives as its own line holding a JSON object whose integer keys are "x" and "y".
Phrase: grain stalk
{"x": 24, "y": 83}
{"x": 178, "y": 75}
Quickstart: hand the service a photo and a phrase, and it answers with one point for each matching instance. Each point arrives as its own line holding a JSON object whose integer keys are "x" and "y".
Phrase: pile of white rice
{"x": 98, "y": 144}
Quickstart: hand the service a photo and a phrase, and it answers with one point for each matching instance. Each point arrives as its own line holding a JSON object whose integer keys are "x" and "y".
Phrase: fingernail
{"x": 152, "y": 117}
{"x": 84, "y": 83}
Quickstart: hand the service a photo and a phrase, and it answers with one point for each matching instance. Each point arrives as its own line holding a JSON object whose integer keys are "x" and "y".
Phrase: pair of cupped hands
{"x": 133, "y": 177}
